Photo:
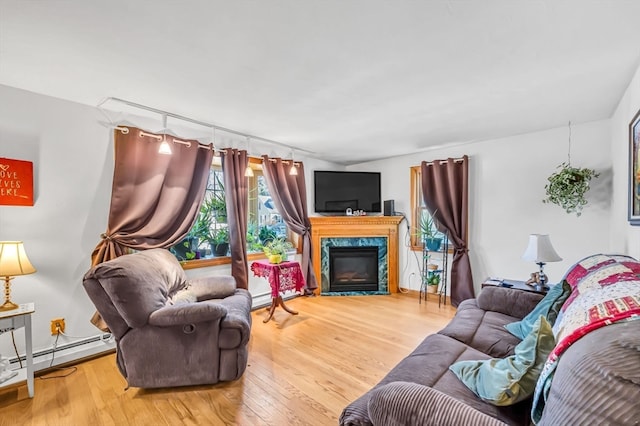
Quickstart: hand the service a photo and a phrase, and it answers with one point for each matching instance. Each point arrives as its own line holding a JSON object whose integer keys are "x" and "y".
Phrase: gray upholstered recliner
{"x": 171, "y": 331}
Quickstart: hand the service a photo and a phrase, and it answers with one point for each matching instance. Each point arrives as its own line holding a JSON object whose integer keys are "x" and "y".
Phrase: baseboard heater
{"x": 64, "y": 347}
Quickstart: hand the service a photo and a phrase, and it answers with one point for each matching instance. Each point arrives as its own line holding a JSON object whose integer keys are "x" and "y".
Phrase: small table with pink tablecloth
{"x": 282, "y": 277}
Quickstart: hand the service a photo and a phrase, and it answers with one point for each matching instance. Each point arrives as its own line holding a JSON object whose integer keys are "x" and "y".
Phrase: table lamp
{"x": 540, "y": 251}
{"x": 13, "y": 262}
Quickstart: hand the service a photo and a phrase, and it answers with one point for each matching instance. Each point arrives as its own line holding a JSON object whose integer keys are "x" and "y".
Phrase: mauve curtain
{"x": 155, "y": 198}
{"x": 445, "y": 188}
{"x": 289, "y": 194}
{"x": 236, "y": 193}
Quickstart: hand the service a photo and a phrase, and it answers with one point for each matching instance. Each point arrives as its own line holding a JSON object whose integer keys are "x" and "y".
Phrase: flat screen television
{"x": 335, "y": 192}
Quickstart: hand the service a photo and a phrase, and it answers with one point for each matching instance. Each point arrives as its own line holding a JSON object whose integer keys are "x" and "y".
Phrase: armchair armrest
{"x": 188, "y": 313}
{"x": 236, "y": 325}
{"x": 516, "y": 303}
{"x": 411, "y": 404}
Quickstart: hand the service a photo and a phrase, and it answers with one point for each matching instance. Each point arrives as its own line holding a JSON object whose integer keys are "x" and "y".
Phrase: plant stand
{"x": 441, "y": 290}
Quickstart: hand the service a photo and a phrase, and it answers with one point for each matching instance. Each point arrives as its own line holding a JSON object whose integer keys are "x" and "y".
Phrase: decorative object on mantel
{"x": 540, "y": 251}
{"x": 16, "y": 182}
{"x": 634, "y": 171}
{"x": 13, "y": 262}
{"x": 567, "y": 186}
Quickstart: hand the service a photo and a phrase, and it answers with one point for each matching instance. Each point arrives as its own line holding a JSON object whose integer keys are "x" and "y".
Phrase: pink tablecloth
{"x": 282, "y": 276}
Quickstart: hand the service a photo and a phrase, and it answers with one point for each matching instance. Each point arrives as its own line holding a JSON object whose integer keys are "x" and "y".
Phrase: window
{"x": 420, "y": 216}
{"x": 207, "y": 243}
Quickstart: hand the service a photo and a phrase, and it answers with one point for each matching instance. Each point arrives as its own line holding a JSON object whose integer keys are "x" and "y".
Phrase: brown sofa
{"x": 597, "y": 379}
{"x": 171, "y": 331}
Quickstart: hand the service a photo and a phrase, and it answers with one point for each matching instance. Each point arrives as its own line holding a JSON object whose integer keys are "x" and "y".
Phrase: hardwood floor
{"x": 303, "y": 370}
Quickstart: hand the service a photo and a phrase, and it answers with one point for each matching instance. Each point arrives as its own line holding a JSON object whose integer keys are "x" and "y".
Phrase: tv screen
{"x": 335, "y": 192}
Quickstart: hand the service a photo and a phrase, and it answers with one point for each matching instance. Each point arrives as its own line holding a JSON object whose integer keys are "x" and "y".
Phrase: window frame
{"x": 256, "y": 165}
{"x": 416, "y": 208}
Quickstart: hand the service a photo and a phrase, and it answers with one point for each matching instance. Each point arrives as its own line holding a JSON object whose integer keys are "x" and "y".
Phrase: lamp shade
{"x": 540, "y": 249}
{"x": 14, "y": 260}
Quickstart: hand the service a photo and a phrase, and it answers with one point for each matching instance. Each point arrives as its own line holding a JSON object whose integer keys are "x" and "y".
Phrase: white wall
{"x": 72, "y": 157}
{"x": 507, "y": 178}
{"x": 624, "y": 238}
{"x": 73, "y": 169}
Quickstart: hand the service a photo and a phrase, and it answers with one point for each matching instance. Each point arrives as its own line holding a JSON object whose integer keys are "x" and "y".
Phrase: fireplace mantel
{"x": 358, "y": 226}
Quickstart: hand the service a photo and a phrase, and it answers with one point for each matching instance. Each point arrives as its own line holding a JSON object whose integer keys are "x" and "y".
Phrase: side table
{"x": 13, "y": 320}
{"x": 282, "y": 277}
{"x": 514, "y": 284}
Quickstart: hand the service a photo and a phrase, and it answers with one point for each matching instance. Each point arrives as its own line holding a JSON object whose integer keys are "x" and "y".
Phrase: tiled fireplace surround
{"x": 357, "y": 231}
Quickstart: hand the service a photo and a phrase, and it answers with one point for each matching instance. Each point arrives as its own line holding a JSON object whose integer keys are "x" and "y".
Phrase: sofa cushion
{"x": 213, "y": 287}
{"x": 508, "y": 301}
{"x": 411, "y": 404}
{"x": 428, "y": 365}
{"x": 505, "y": 381}
{"x": 549, "y": 307}
{"x": 482, "y": 330}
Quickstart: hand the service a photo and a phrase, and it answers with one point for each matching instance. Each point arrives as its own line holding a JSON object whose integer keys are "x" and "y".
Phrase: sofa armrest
{"x": 411, "y": 404}
{"x": 187, "y": 313}
{"x": 515, "y": 303}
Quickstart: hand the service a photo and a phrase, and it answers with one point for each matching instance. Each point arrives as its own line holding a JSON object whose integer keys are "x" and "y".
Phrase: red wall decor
{"x": 16, "y": 182}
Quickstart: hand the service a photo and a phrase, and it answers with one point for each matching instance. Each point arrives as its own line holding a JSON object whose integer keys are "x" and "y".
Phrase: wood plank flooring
{"x": 303, "y": 370}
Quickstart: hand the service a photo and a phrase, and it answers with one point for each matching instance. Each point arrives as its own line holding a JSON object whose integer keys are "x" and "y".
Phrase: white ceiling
{"x": 351, "y": 80}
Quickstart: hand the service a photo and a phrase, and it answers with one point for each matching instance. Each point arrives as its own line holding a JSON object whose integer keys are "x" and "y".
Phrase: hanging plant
{"x": 567, "y": 187}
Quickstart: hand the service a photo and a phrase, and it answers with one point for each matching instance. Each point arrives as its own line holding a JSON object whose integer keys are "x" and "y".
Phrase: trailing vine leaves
{"x": 567, "y": 187}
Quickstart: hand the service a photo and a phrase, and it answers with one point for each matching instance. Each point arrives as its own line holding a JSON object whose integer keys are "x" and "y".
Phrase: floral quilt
{"x": 605, "y": 289}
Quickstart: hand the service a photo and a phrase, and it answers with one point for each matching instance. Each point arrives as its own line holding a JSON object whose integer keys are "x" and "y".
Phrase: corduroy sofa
{"x": 596, "y": 378}
{"x": 171, "y": 331}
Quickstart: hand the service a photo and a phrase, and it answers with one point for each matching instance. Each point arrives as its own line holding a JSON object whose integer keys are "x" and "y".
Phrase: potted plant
{"x": 433, "y": 281}
{"x": 219, "y": 241}
{"x": 567, "y": 187}
{"x": 217, "y": 204}
{"x": 185, "y": 249}
{"x": 276, "y": 249}
{"x": 266, "y": 234}
{"x": 430, "y": 235}
{"x": 253, "y": 242}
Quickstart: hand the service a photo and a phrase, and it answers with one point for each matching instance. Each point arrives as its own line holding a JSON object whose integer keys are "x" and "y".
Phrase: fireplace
{"x": 328, "y": 232}
{"x": 353, "y": 268}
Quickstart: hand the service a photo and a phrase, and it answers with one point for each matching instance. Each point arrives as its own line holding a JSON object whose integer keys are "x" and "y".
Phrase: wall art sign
{"x": 16, "y": 182}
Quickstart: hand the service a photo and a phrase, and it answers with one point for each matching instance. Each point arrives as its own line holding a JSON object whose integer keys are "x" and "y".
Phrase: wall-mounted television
{"x": 335, "y": 192}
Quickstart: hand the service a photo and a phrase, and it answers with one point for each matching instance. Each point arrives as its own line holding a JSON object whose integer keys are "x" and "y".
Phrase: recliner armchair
{"x": 170, "y": 331}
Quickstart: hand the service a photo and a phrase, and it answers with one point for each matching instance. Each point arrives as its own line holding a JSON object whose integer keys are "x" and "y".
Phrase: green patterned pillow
{"x": 505, "y": 381}
{"x": 549, "y": 307}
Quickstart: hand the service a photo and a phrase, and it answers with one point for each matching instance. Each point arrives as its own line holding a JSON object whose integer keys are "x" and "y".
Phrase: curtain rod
{"x": 455, "y": 160}
{"x": 200, "y": 123}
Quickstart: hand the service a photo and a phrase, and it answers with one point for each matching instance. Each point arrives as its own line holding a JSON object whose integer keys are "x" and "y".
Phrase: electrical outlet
{"x": 57, "y": 326}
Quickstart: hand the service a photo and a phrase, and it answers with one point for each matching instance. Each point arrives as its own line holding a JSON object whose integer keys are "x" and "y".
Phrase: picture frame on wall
{"x": 634, "y": 170}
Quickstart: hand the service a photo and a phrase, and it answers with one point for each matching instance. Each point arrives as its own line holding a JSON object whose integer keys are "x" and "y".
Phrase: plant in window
{"x": 430, "y": 235}
{"x": 568, "y": 186}
{"x": 266, "y": 234}
{"x": 276, "y": 249}
{"x": 253, "y": 242}
{"x": 219, "y": 241}
{"x": 217, "y": 202}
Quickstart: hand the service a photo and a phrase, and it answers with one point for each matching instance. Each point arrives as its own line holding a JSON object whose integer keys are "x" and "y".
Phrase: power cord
{"x": 15, "y": 348}
{"x": 407, "y": 244}
{"x": 70, "y": 370}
